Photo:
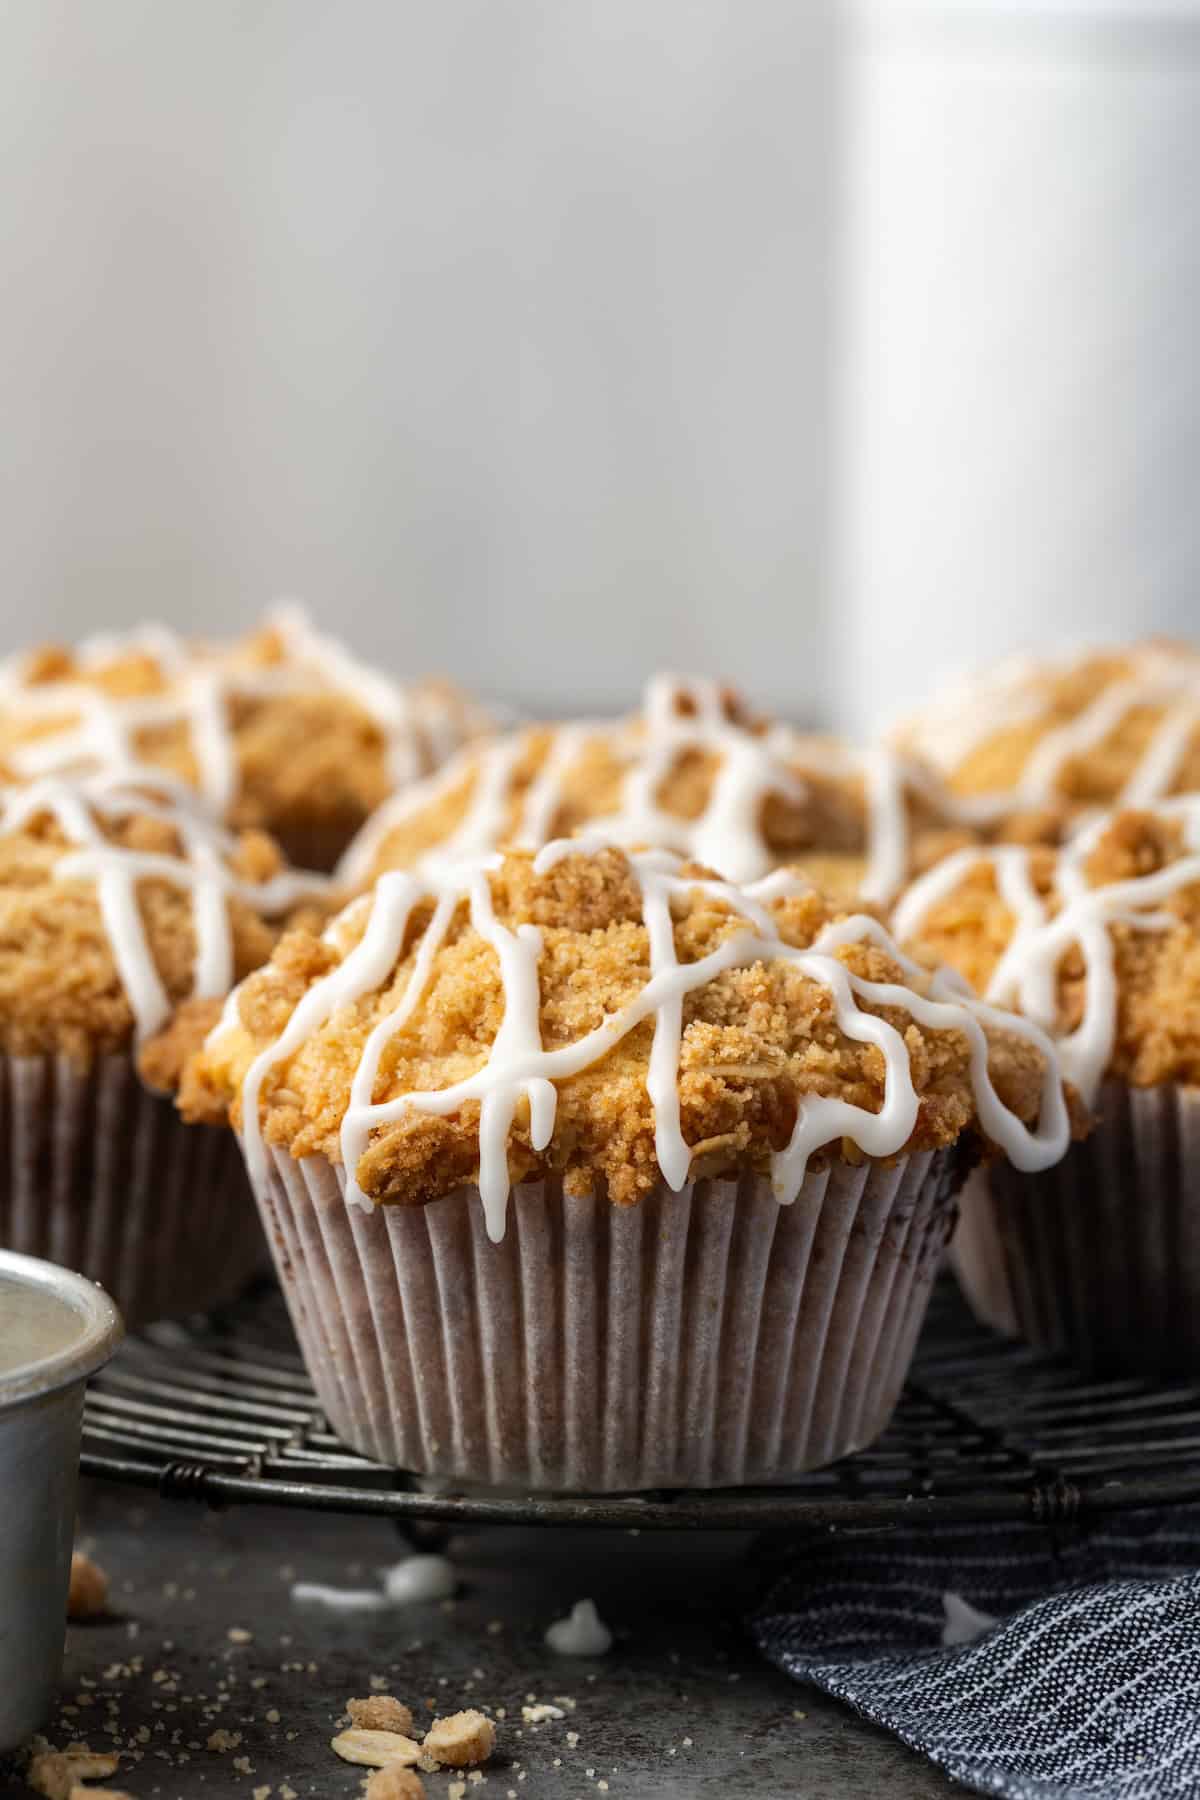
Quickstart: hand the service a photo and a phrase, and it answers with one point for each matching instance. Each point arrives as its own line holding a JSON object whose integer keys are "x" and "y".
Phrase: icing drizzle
{"x": 421, "y": 726}
{"x": 681, "y": 716}
{"x": 519, "y": 1067}
{"x": 1075, "y": 915}
{"x": 1014, "y": 693}
{"x": 203, "y": 868}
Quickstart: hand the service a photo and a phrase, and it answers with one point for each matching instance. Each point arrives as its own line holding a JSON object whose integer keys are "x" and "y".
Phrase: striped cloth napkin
{"x": 1025, "y": 1663}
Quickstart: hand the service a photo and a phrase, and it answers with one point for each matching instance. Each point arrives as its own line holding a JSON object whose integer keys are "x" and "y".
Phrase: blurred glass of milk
{"x": 1018, "y": 355}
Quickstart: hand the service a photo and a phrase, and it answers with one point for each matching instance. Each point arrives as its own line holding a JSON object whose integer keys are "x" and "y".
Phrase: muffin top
{"x": 610, "y": 1019}
{"x": 1098, "y": 942}
{"x": 1111, "y": 727}
{"x": 116, "y": 903}
{"x": 692, "y": 772}
{"x": 283, "y": 730}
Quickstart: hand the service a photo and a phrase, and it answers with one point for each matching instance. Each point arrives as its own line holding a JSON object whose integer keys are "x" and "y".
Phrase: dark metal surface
{"x": 223, "y": 1411}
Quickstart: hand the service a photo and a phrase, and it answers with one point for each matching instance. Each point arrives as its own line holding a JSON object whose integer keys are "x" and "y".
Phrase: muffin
{"x": 1041, "y": 742}
{"x": 283, "y": 731}
{"x": 1099, "y": 943}
{"x": 591, "y": 1171}
{"x": 694, "y": 772}
{"x": 116, "y": 905}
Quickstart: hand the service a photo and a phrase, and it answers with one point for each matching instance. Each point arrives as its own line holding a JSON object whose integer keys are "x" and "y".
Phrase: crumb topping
{"x": 461, "y": 1740}
{"x": 693, "y": 772}
{"x": 282, "y": 730}
{"x": 1047, "y": 932}
{"x": 1119, "y": 725}
{"x": 606, "y": 1018}
{"x": 87, "y": 1595}
{"x": 381, "y": 1712}
{"x": 115, "y": 905}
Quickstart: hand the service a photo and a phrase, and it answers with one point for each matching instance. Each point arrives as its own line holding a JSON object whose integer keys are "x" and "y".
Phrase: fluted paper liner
{"x": 100, "y": 1175}
{"x": 1099, "y": 1257}
{"x": 703, "y": 1339}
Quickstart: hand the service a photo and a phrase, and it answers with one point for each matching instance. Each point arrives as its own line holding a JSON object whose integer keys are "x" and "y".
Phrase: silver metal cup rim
{"x": 101, "y": 1329}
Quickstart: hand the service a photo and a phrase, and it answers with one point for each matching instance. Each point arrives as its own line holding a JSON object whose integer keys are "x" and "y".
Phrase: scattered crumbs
{"x": 602, "y": 1786}
{"x": 243, "y": 1765}
{"x": 538, "y": 1713}
{"x": 259, "y": 1681}
{"x": 237, "y": 1634}
{"x": 494, "y": 1627}
{"x": 687, "y": 1743}
{"x": 262, "y": 1793}
{"x": 378, "y": 1684}
{"x": 799, "y": 1715}
{"x": 273, "y": 1715}
{"x": 287, "y": 1793}
{"x": 572, "y": 1738}
{"x": 222, "y": 1740}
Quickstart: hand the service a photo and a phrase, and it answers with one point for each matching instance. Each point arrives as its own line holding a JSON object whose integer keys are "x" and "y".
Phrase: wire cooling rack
{"x": 986, "y": 1430}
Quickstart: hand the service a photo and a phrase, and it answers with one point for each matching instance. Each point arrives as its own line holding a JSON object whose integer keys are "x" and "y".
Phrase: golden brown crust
{"x": 756, "y": 1040}
{"x": 1157, "y": 1036}
{"x": 312, "y": 762}
{"x": 60, "y": 987}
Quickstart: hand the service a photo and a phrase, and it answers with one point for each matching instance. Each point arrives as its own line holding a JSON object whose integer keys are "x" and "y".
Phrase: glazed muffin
{"x": 116, "y": 906}
{"x": 694, "y": 772}
{"x": 1041, "y": 742}
{"x": 592, "y": 1171}
{"x": 1099, "y": 943}
{"x": 283, "y": 731}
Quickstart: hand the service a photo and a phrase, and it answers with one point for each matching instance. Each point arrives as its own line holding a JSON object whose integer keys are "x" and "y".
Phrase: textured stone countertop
{"x": 681, "y": 1707}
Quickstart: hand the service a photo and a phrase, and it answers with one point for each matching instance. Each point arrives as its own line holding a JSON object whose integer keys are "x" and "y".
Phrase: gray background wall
{"x": 495, "y": 329}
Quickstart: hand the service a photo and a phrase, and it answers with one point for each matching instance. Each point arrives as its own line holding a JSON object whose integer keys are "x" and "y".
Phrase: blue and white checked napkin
{"x": 1024, "y": 1663}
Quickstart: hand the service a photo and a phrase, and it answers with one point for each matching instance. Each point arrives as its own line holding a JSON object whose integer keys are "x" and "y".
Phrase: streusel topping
{"x": 1111, "y": 727}
{"x": 117, "y": 903}
{"x": 693, "y": 772}
{"x": 1099, "y": 942}
{"x": 283, "y": 730}
{"x": 612, "y": 1019}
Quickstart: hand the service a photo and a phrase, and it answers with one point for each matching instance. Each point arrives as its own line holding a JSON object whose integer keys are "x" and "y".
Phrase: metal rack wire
{"x": 223, "y": 1411}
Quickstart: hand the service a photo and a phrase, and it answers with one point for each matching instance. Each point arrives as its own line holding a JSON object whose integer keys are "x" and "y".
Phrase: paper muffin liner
{"x": 708, "y": 1338}
{"x": 100, "y": 1175}
{"x": 1099, "y": 1257}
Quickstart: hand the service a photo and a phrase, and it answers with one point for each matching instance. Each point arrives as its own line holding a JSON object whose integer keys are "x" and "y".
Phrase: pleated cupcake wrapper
{"x": 1099, "y": 1257}
{"x": 100, "y": 1175}
{"x": 703, "y": 1339}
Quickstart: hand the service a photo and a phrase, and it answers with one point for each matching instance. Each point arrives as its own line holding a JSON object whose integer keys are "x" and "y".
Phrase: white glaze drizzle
{"x": 1074, "y": 915}
{"x": 421, "y": 726}
{"x": 81, "y": 806}
{"x": 517, "y": 1066}
{"x": 348, "y": 1600}
{"x": 681, "y": 715}
{"x": 420, "y": 1578}
{"x": 1015, "y": 693}
{"x": 582, "y": 1633}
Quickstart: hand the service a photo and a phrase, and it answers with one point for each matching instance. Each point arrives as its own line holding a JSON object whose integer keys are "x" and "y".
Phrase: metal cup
{"x": 41, "y": 1413}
